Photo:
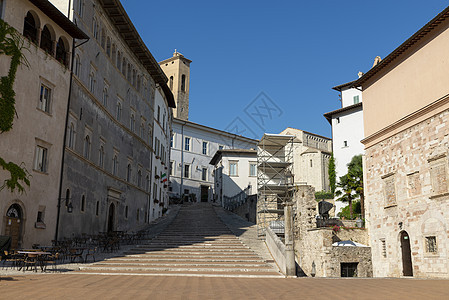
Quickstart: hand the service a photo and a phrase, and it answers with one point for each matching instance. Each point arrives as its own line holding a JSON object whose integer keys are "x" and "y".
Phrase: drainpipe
{"x": 65, "y": 135}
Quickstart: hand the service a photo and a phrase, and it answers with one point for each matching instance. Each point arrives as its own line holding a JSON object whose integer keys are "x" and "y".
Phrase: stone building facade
{"x": 108, "y": 171}
{"x": 36, "y": 138}
{"x": 406, "y": 117}
{"x": 311, "y": 154}
{"x": 315, "y": 248}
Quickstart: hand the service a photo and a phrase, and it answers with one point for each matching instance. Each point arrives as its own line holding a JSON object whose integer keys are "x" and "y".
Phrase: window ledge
{"x": 40, "y": 225}
{"x": 40, "y": 172}
{"x": 439, "y": 195}
{"x": 390, "y": 206}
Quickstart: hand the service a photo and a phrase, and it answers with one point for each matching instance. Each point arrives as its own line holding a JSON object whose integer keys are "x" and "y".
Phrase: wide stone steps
{"x": 196, "y": 243}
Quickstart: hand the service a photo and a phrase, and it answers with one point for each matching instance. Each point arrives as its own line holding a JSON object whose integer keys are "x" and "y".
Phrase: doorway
{"x": 407, "y": 268}
{"x": 14, "y": 225}
{"x": 111, "y": 215}
{"x": 204, "y": 193}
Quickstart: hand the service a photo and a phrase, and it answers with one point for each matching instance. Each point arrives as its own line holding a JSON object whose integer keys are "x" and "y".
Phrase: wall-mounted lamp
{"x": 70, "y": 208}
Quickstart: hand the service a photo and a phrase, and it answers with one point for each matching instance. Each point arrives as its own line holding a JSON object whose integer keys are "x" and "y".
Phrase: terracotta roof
{"x": 120, "y": 19}
{"x": 329, "y": 115}
{"x": 441, "y": 17}
{"x": 59, "y": 18}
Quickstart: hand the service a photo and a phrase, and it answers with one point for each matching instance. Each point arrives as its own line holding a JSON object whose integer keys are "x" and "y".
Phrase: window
{"x": 115, "y": 165}
{"x": 108, "y": 46}
{"x": 337, "y": 120}
{"x": 95, "y": 28}
{"x": 252, "y": 169}
{"x": 311, "y": 163}
{"x": 147, "y": 182}
{"x": 431, "y": 244}
{"x": 128, "y": 173}
{"x": 92, "y": 81}
{"x": 80, "y": 7}
{"x": 204, "y": 174}
{"x": 187, "y": 144}
{"x": 187, "y": 171}
{"x": 118, "y": 111}
{"x": 348, "y": 269}
{"x": 83, "y": 203}
{"x": 137, "y": 215}
{"x": 205, "y": 148}
{"x": 183, "y": 83}
{"x": 383, "y": 248}
{"x": 126, "y": 212}
{"x": 139, "y": 178}
{"x": 97, "y": 208}
{"x": 119, "y": 60}
{"x": 220, "y": 147}
{"x": 29, "y": 27}
{"x": 171, "y": 83}
{"x": 77, "y": 65}
{"x": 86, "y": 152}
{"x": 46, "y": 40}
{"x": 61, "y": 52}
{"x": 114, "y": 53}
{"x": 40, "y": 217}
{"x": 124, "y": 66}
{"x": 345, "y": 143}
{"x": 158, "y": 113}
{"x": 356, "y": 99}
{"x": 105, "y": 97}
{"x": 71, "y": 142}
{"x": 171, "y": 168}
{"x": 171, "y": 141}
{"x": 103, "y": 38}
{"x": 132, "y": 122}
{"x": 101, "y": 156}
{"x": 40, "y": 162}
{"x": 232, "y": 168}
{"x": 142, "y": 129}
{"x": 45, "y": 98}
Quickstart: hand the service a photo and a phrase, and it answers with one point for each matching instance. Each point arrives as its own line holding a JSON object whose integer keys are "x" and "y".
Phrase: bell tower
{"x": 177, "y": 69}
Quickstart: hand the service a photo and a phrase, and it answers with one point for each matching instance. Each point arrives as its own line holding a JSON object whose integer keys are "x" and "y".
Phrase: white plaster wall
{"x": 349, "y": 129}
{"x": 235, "y": 184}
{"x": 196, "y": 159}
{"x": 347, "y": 97}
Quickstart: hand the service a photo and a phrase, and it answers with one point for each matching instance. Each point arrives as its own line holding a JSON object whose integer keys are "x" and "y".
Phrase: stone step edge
{"x": 178, "y": 275}
{"x": 178, "y": 269}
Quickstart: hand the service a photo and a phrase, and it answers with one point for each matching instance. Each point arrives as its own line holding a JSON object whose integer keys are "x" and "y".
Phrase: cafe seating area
{"x": 81, "y": 249}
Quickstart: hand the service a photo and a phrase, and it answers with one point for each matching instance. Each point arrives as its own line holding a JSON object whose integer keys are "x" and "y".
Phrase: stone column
{"x": 289, "y": 251}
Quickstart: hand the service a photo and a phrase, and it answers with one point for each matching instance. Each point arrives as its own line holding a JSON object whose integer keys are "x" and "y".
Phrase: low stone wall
{"x": 277, "y": 249}
{"x": 248, "y": 209}
{"x": 359, "y": 235}
{"x": 360, "y": 255}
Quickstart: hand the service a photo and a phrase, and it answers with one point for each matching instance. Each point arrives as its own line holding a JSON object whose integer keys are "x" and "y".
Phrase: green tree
{"x": 12, "y": 45}
{"x": 332, "y": 174}
{"x": 351, "y": 185}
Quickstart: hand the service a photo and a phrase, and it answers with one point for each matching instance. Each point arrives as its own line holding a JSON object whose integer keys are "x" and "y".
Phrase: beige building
{"x": 406, "y": 118}
{"x": 36, "y": 139}
{"x": 311, "y": 154}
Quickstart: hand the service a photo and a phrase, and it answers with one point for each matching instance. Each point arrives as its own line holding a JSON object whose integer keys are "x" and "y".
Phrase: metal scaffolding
{"x": 274, "y": 181}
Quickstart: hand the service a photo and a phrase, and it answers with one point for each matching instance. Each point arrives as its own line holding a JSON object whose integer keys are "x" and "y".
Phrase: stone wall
{"x": 407, "y": 191}
{"x": 248, "y": 209}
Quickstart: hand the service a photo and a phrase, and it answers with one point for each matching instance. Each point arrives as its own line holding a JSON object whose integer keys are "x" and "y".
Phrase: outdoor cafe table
{"x": 37, "y": 254}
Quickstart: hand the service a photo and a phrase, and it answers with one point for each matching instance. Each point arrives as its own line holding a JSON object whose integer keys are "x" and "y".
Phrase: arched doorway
{"x": 407, "y": 268}
{"x": 111, "y": 214}
{"x": 14, "y": 225}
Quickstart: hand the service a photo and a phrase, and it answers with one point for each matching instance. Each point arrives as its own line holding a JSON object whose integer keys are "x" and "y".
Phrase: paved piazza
{"x": 64, "y": 286}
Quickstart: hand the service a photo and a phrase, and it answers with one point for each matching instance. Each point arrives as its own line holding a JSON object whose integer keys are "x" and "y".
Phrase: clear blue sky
{"x": 293, "y": 51}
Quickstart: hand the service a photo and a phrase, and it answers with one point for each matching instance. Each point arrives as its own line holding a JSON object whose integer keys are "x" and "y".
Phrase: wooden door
{"x": 13, "y": 230}
{"x": 407, "y": 268}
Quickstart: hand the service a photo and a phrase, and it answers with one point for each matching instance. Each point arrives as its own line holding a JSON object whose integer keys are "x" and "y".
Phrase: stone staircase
{"x": 196, "y": 243}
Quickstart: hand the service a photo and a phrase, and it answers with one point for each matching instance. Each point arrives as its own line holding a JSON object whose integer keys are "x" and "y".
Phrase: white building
{"x": 161, "y": 154}
{"x": 347, "y": 130}
{"x": 235, "y": 171}
{"x": 193, "y": 146}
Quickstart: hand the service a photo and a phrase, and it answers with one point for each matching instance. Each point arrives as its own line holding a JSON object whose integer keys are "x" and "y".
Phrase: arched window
{"x": 71, "y": 136}
{"x": 128, "y": 173}
{"x": 114, "y": 53}
{"x": 147, "y": 182}
{"x": 118, "y": 112}
{"x": 46, "y": 40}
{"x": 115, "y": 165}
{"x": 105, "y": 97}
{"x": 183, "y": 83}
{"x": 134, "y": 80}
{"x": 103, "y": 38}
{"x": 77, "y": 65}
{"x": 171, "y": 82}
{"x": 86, "y": 152}
{"x": 128, "y": 73}
{"x": 108, "y": 46}
{"x": 83, "y": 203}
{"x": 101, "y": 156}
{"x": 138, "y": 83}
{"x": 30, "y": 28}
{"x": 95, "y": 28}
{"x": 61, "y": 52}
{"x": 139, "y": 178}
{"x": 132, "y": 123}
{"x": 119, "y": 60}
{"x": 67, "y": 197}
{"x": 124, "y": 66}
